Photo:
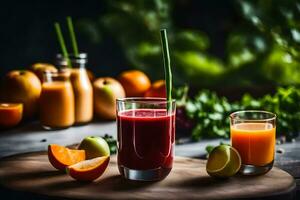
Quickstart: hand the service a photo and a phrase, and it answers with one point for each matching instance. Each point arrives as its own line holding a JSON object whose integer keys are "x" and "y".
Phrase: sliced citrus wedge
{"x": 223, "y": 161}
{"x": 10, "y": 114}
{"x": 88, "y": 170}
{"x": 61, "y": 157}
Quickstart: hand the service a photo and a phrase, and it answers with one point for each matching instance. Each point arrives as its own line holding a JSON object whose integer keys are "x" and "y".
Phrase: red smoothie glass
{"x": 146, "y": 138}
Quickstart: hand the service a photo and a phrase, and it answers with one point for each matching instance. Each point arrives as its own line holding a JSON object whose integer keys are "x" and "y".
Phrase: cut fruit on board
{"x": 223, "y": 161}
{"x": 60, "y": 157}
{"x": 31, "y": 174}
{"x": 88, "y": 170}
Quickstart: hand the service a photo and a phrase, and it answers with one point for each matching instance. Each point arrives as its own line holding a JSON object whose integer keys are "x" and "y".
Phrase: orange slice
{"x": 10, "y": 114}
{"x": 88, "y": 170}
{"x": 61, "y": 157}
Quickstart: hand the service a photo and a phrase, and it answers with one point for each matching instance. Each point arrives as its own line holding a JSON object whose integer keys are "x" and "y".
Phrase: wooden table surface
{"x": 33, "y": 175}
{"x": 31, "y": 137}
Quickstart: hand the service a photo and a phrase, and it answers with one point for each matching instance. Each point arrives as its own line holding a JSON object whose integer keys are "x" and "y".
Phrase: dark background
{"x": 27, "y": 34}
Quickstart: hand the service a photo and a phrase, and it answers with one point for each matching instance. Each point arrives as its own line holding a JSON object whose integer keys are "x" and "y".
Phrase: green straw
{"x": 167, "y": 66}
{"x": 72, "y": 36}
{"x": 62, "y": 43}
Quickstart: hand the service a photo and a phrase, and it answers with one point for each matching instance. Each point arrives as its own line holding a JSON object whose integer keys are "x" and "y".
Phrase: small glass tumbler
{"x": 146, "y": 138}
{"x": 253, "y": 134}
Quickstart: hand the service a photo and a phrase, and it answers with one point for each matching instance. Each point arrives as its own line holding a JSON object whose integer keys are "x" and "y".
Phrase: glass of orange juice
{"x": 253, "y": 134}
{"x": 57, "y": 109}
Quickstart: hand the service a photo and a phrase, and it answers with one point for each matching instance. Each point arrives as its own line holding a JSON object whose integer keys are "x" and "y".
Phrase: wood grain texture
{"x": 32, "y": 173}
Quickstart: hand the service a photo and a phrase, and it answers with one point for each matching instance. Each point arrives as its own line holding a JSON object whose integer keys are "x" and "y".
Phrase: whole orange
{"x": 10, "y": 114}
{"x": 158, "y": 89}
{"x": 23, "y": 86}
{"x": 135, "y": 83}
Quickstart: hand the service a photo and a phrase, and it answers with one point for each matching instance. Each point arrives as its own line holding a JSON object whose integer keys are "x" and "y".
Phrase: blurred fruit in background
{"x": 10, "y": 114}
{"x": 90, "y": 75}
{"x": 39, "y": 68}
{"x": 23, "y": 86}
{"x": 183, "y": 123}
{"x": 106, "y": 91}
{"x": 158, "y": 89}
{"x": 135, "y": 83}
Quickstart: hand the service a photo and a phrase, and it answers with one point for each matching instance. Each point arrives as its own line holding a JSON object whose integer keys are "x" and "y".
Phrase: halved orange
{"x": 88, "y": 170}
{"x": 61, "y": 157}
{"x": 10, "y": 114}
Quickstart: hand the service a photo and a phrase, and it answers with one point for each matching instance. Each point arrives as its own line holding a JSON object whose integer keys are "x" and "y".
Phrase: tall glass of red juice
{"x": 146, "y": 137}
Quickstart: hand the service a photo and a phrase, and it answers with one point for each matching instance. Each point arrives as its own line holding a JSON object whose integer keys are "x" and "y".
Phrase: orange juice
{"x": 83, "y": 93}
{"x": 254, "y": 141}
{"x": 82, "y": 87}
{"x": 57, "y": 104}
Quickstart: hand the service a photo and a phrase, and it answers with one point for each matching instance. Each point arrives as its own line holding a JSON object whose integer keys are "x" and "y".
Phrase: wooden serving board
{"x": 31, "y": 174}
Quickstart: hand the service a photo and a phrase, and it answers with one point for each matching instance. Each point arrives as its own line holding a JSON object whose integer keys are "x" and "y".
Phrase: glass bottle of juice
{"x": 82, "y": 87}
{"x": 57, "y": 100}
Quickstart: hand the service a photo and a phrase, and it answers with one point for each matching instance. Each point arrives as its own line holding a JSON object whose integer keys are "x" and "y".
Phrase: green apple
{"x": 106, "y": 91}
{"x": 94, "y": 146}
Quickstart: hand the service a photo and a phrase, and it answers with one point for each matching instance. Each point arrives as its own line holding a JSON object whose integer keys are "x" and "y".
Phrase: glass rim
{"x": 145, "y": 100}
{"x": 273, "y": 116}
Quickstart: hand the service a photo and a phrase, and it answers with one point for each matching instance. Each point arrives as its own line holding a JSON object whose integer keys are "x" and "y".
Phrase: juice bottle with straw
{"x": 82, "y": 87}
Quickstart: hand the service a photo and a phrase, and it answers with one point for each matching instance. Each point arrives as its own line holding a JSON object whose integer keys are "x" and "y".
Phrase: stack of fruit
{"x": 22, "y": 89}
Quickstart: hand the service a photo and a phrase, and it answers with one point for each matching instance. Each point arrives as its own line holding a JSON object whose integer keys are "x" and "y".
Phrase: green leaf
{"x": 191, "y": 40}
{"x": 209, "y": 148}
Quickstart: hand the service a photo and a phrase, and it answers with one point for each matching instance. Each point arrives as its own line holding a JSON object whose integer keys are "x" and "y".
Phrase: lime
{"x": 223, "y": 161}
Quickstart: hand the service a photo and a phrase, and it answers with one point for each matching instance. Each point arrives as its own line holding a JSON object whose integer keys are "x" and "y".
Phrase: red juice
{"x": 146, "y": 139}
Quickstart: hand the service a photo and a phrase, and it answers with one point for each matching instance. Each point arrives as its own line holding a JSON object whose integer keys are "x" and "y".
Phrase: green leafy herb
{"x": 209, "y": 148}
{"x": 112, "y": 143}
{"x": 211, "y": 112}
